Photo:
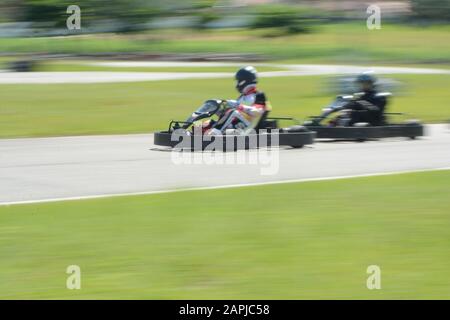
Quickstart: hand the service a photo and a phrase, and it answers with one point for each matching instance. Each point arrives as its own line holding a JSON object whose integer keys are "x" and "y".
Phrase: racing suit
{"x": 368, "y": 107}
{"x": 246, "y": 112}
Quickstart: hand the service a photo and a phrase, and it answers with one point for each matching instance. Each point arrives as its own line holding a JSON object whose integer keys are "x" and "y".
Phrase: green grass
{"x": 345, "y": 42}
{"x": 79, "y": 109}
{"x": 297, "y": 241}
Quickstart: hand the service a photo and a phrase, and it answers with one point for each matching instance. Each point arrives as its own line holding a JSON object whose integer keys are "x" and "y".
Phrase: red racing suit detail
{"x": 246, "y": 111}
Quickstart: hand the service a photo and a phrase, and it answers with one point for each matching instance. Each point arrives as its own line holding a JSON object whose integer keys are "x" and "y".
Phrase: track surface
{"x": 112, "y": 76}
{"x": 64, "y": 167}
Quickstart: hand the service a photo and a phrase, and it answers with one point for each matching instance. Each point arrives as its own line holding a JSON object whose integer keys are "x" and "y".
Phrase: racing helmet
{"x": 366, "y": 81}
{"x": 244, "y": 77}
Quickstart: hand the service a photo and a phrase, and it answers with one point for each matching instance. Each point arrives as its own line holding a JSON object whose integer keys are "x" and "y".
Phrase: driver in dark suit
{"x": 367, "y": 105}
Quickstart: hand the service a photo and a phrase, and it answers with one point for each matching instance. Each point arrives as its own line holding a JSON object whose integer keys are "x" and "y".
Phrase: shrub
{"x": 431, "y": 9}
{"x": 291, "y": 19}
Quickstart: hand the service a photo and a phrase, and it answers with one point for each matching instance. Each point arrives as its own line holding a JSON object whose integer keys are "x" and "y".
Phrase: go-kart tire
{"x": 361, "y": 125}
{"x": 22, "y": 65}
{"x": 412, "y": 123}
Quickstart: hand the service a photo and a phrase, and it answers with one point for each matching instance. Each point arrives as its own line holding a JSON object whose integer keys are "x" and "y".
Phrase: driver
{"x": 245, "y": 113}
{"x": 368, "y": 105}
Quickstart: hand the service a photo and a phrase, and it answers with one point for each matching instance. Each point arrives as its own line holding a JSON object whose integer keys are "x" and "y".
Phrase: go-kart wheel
{"x": 361, "y": 125}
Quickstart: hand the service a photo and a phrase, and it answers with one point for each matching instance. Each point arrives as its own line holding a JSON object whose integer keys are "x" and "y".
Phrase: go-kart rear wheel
{"x": 412, "y": 123}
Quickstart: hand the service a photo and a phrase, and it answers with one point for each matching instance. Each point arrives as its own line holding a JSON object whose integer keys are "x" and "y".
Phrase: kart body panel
{"x": 267, "y": 134}
{"x": 368, "y": 132}
{"x": 360, "y": 131}
{"x": 233, "y": 142}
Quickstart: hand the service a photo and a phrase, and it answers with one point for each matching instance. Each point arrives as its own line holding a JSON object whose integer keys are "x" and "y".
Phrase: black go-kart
{"x": 192, "y": 134}
{"x": 328, "y": 127}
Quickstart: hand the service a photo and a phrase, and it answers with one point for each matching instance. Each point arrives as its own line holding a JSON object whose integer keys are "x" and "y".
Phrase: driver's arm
{"x": 232, "y": 104}
{"x": 366, "y": 105}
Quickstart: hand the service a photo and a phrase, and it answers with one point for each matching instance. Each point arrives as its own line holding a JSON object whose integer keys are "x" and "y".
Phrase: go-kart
{"x": 327, "y": 127}
{"x": 194, "y": 132}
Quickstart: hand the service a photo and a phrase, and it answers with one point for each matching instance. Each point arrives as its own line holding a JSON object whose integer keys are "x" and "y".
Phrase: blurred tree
{"x": 53, "y": 12}
{"x": 203, "y": 4}
{"x": 48, "y": 12}
{"x": 431, "y": 9}
{"x": 128, "y": 14}
{"x": 291, "y": 19}
{"x": 10, "y": 10}
{"x": 205, "y": 11}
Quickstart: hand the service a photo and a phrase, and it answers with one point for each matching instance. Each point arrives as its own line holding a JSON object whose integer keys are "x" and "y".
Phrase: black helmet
{"x": 366, "y": 78}
{"x": 244, "y": 77}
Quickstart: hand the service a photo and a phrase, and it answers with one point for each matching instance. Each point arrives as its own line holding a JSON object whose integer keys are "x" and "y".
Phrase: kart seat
{"x": 264, "y": 123}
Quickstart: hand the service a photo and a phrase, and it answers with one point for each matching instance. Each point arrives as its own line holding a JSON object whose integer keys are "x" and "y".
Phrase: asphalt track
{"x": 112, "y": 76}
{"x": 41, "y": 169}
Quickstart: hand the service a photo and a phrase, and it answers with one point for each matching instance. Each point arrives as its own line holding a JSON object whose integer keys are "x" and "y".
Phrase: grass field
{"x": 79, "y": 109}
{"x": 289, "y": 241}
{"x": 345, "y": 42}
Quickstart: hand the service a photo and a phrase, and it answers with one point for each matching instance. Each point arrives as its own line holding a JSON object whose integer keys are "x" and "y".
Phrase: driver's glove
{"x": 231, "y": 104}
